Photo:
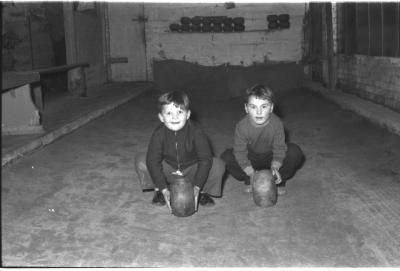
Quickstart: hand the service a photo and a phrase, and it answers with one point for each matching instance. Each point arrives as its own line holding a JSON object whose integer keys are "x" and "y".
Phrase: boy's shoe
{"x": 158, "y": 198}
{"x": 248, "y": 188}
{"x": 281, "y": 190}
{"x": 206, "y": 200}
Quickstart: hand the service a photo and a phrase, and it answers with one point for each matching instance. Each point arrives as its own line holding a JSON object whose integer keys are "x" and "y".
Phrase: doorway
{"x": 127, "y": 41}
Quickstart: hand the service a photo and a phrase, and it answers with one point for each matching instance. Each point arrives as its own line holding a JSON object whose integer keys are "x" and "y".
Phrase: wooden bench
{"x": 22, "y": 96}
{"x": 20, "y": 115}
{"x": 76, "y": 80}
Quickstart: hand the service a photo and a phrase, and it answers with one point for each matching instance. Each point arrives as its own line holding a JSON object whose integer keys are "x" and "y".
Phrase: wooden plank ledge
{"x": 61, "y": 68}
{"x": 11, "y": 80}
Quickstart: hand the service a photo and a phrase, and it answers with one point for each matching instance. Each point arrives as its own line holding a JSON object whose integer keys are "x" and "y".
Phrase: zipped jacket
{"x": 180, "y": 149}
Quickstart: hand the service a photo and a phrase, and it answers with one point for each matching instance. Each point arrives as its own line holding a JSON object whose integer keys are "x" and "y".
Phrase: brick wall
{"x": 373, "y": 78}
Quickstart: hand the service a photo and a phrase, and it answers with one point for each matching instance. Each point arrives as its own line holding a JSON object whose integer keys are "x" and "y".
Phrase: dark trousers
{"x": 212, "y": 186}
{"x": 292, "y": 162}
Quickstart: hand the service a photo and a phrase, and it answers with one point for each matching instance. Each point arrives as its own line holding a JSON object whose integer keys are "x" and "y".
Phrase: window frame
{"x": 351, "y": 33}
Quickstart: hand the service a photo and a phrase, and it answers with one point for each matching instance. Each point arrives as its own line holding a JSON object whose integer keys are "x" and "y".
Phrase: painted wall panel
{"x": 255, "y": 45}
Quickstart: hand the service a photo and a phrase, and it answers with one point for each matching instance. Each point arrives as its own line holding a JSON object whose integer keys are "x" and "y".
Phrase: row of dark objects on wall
{"x": 278, "y": 21}
{"x": 197, "y": 20}
{"x": 217, "y": 28}
{"x": 209, "y": 24}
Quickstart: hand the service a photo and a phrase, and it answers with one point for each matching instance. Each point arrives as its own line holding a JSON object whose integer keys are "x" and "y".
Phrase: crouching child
{"x": 259, "y": 143}
{"x": 179, "y": 148}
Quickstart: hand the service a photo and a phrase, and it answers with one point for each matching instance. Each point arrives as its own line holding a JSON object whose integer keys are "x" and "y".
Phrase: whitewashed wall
{"x": 255, "y": 45}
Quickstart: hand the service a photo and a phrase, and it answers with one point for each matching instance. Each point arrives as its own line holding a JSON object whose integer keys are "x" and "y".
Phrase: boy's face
{"x": 259, "y": 110}
{"x": 173, "y": 116}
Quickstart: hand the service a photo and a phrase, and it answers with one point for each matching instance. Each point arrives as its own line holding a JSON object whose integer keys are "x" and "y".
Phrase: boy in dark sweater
{"x": 179, "y": 148}
{"x": 259, "y": 143}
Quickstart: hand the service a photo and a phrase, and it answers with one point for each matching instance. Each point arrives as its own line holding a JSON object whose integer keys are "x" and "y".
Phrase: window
{"x": 375, "y": 29}
{"x": 370, "y": 28}
{"x": 390, "y": 27}
{"x": 349, "y": 28}
{"x": 362, "y": 30}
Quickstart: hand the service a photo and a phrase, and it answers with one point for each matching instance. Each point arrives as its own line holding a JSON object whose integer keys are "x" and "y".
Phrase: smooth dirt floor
{"x": 78, "y": 203}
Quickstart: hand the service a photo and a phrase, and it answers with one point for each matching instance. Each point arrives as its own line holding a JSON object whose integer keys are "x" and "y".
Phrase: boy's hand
{"x": 276, "y": 173}
{"x": 167, "y": 197}
{"x": 275, "y": 166}
{"x": 249, "y": 170}
{"x": 196, "y": 192}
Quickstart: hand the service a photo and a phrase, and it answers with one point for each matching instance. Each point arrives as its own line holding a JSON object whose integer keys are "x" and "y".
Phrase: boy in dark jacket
{"x": 179, "y": 148}
{"x": 259, "y": 142}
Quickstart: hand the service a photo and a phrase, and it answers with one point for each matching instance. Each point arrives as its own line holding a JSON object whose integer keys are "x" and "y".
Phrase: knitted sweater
{"x": 259, "y": 140}
{"x": 180, "y": 150}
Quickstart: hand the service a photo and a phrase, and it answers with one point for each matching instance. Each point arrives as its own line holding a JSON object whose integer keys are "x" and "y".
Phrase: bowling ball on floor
{"x": 264, "y": 189}
{"x": 182, "y": 197}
